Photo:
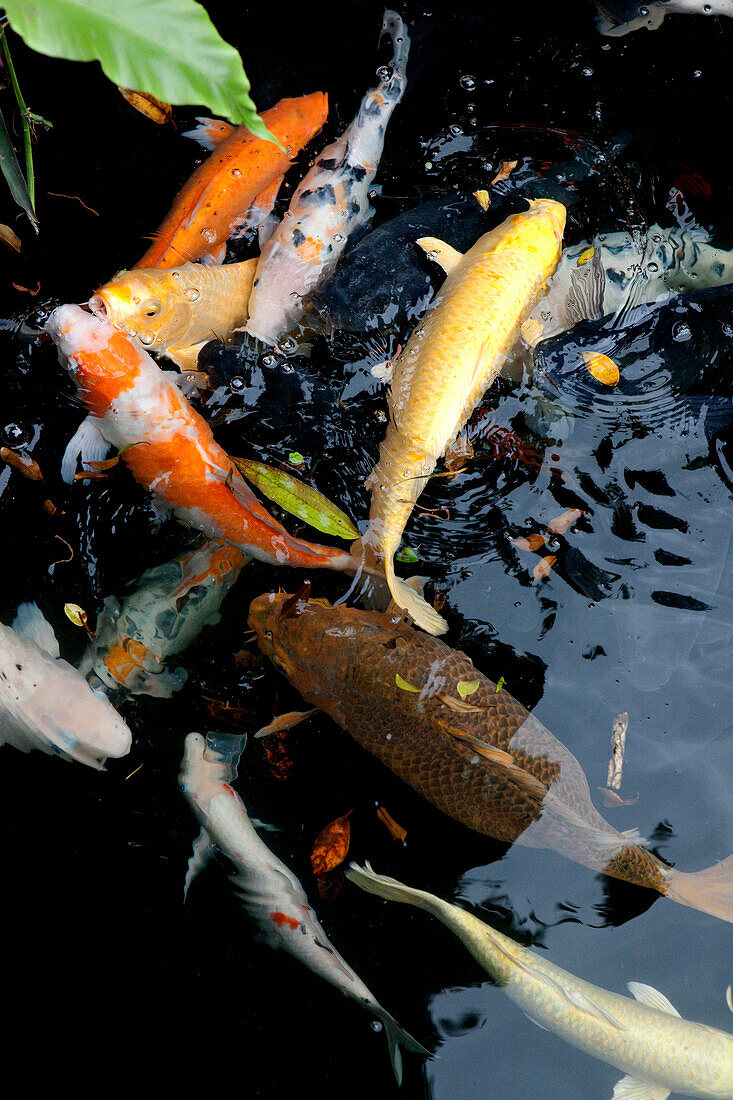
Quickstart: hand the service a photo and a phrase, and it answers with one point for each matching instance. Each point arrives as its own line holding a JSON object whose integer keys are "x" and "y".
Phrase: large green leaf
{"x": 299, "y": 499}
{"x": 169, "y": 48}
{"x": 15, "y": 179}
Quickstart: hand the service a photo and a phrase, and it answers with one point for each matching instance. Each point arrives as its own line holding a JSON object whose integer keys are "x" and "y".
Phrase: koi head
{"x": 152, "y": 305}
{"x": 102, "y": 360}
{"x": 291, "y": 632}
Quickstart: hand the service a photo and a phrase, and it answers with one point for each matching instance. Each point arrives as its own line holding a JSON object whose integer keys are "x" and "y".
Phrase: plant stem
{"x": 24, "y": 116}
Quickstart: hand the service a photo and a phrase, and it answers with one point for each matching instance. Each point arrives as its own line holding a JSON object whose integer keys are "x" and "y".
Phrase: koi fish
{"x": 328, "y": 205}
{"x": 614, "y": 274}
{"x": 175, "y": 311}
{"x": 169, "y": 449}
{"x": 269, "y": 890}
{"x": 619, "y": 17}
{"x": 454, "y": 354}
{"x": 48, "y": 705}
{"x": 484, "y": 761}
{"x": 243, "y": 172}
{"x": 643, "y": 1035}
{"x": 166, "y": 612}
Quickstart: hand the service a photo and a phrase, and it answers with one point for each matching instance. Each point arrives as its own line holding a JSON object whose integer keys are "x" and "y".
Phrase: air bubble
{"x": 681, "y": 332}
{"x": 697, "y": 73}
{"x": 146, "y": 336}
{"x": 586, "y": 72}
{"x": 339, "y": 237}
{"x": 193, "y": 294}
{"x": 288, "y": 345}
{"x": 236, "y": 172}
{"x": 380, "y": 415}
{"x": 383, "y": 72}
{"x": 643, "y": 11}
{"x": 727, "y": 330}
{"x": 269, "y": 360}
{"x": 455, "y": 129}
{"x": 376, "y": 1025}
{"x": 208, "y": 235}
{"x": 236, "y": 383}
{"x": 656, "y": 238}
{"x": 17, "y": 434}
{"x": 707, "y": 8}
{"x": 652, "y": 266}
{"x": 467, "y": 82}
{"x": 287, "y": 367}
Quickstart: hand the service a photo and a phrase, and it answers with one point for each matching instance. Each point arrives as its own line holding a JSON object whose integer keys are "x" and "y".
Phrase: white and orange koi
{"x": 48, "y": 705}
{"x": 169, "y": 607}
{"x": 269, "y": 890}
{"x": 328, "y": 205}
{"x": 169, "y": 449}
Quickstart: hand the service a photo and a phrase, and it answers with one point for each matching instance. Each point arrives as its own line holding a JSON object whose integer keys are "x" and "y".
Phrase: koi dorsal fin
{"x": 444, "y": 254}
{"x": 651, "y": 997}
{"x": 210, "y": 132}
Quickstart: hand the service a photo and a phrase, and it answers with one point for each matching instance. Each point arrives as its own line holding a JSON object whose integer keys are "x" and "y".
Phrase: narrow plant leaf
{"x": 154, "y": 109}
{"x": 466, "y": 687}
{"x": 407, "y": 555}
{"x": 8, "y": 237}
{"x": 393, "y": 827}
{"x": 404, "y": 684}
{"x": 13, "y": 175}
{"x": 331, "y": 846}
{"x": 499, "y": 684}
{"x": 169, "y": 48}
{"x": 27, "y": 466}
{"x": 297, "y": 498}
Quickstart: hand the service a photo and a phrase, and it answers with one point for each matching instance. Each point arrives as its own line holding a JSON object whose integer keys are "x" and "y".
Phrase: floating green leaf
{"x": 500, "y": 684}
{"x": 296, "y": 458}
{"x": 408, "y": 555}
{"x": 404, "y": 684}
{"x": 466, "y": 687}
{"x": 169, "y": 48}
{"x": 297, "y": 498}
{"x": 77, "y": 614}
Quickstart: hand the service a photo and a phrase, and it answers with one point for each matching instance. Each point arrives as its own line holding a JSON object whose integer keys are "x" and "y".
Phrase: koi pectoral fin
{"x": 210, "y": 132}
{"x": 630, "y": 1088}
{"x": 443, "y": 254}
{"x": 88, "y": 443}
{"x": 203, "y": 849}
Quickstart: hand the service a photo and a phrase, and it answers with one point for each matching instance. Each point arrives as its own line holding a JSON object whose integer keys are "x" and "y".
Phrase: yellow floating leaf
{"x": 585, "y": 257}
{"x": 505, "y": 170}
{"x": 466, "y": 687}
{"x": 601, "y": 367}
{"x": 543, "y": 567}
{"x": 155, "y": 109}
{"x": 482, "y": 198}
{"x": 299, "y": 499}
{"x": 76, "y": 614}
{"x": 404, "y": 684}
{"x": 8, "y": 237}
{"x": 560, "y": 524}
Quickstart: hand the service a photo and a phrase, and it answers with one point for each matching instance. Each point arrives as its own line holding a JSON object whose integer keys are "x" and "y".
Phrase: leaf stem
{"x": 25, "y": 116}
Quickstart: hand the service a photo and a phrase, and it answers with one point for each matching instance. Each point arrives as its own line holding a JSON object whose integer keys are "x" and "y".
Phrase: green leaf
{"x": 14, "y": 176}
{"x": 297, "y": 498}
{"x": 500, "y": 684}
{"x": 169, "y": 48}
{"x": 404, "y": 684}
{"x": 408, "y": 555}
{"x": 467, "y": 687}
{"x": 296, "y": 458}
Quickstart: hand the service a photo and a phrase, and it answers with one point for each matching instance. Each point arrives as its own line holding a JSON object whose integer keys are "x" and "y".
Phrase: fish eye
{"x": 152, "y": 307}
{"x": 268, "y": 635}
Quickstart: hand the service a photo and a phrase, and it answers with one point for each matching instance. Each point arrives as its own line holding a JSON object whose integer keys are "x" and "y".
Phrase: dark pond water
{"x": 106, "y": 973}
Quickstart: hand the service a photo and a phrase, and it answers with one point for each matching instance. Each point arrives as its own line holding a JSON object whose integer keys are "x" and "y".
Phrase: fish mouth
{"x": 98, "y": 307}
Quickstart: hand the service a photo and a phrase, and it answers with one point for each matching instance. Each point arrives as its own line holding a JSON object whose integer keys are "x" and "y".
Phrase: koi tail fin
{"x": 392, "y": 890}
{"x": 710, "y": 890}
{"x": 407, "y": 595}
{"x": 411, "y": 601}
{"x": 396, "y": 1037}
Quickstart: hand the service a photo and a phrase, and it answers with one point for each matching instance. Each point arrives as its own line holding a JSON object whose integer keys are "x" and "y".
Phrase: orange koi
{"x": 169, "y": 448}
{"x": 239, "y": 175}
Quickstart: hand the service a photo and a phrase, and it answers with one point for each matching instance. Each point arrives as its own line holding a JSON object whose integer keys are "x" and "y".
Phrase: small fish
{"x": 329, "y": 204}
{"x": 619, "y": 17}
{"x": 48, "y": 705}
{"x": 216, "y": 200}
{"x": 454, "y": 354}
{"x": 175, "y": 311}
{"x": 642, "y": 1035}
{"x": 167, "y": 610}
{"x": 484, "y": 761}
{"x": 167, "y": 446}
{"x": 269, "y": 890}
{"x": 615, "y": 274}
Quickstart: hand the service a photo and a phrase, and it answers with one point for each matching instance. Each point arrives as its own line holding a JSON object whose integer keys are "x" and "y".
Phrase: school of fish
{"x": 478, "y": 756}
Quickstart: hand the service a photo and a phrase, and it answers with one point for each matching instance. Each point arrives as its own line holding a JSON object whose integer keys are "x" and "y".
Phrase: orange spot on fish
{"x": 281, "y": 918}
{"x": 310, "y": 249}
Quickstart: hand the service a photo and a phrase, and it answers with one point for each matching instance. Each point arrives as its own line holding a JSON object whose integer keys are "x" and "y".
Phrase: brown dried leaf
{"x": 531, "y": 542}
{"x": 27, "y": 466}
{"x": 278, "y": 758}
{"x": 50, "y": 507}
{"x": 281, "y": 723}
{"x": 90, "y": 475}
{"x": 483, "y": 199}
{"x": 155, "y": 109}
{"x": 330, "y": 886}
{"x": 560, "y": 524}
{"x": 610, "y": 798}
{"x": 107, "y": 464}
{"x": 331, "y": 846}
{"x": 222, "y": 708}
{"x": 457, "y": 453}
{"x": 8, "y": 237}
{"x": 393, "y": 827}
{"x": 458, "y": 704}
{"x": 505, "y": 170}
{"x": 543, "y": 567}
{"x": 27, "y": 289}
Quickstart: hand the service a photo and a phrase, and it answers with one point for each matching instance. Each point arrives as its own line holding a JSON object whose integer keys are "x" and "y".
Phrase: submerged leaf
{"x": 331, "y": 846}
{"x": 297, "y": 498}
{"x": 393, "y": 827}
{"x": 154, "y": 109}
{"x": 171, "y": 50}
{"x": 404, "y": 684}
{"x": 467, "y": 687}
{"x": 8, "y": 237}
{"x": 27, "y": 466}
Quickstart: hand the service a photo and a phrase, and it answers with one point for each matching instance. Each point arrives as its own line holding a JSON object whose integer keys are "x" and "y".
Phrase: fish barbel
{"x": 168, "y": 447}
{"x": 46, "y": 704}
{"x": 269, "y": 890}
{"x": 216, "y": 199}
{"x": 456, "y": 351}
{"x": 642, "y": 1035}
{"x": 169, "y": 607}
{"x": 176, "y": 310}
{"x": 328, "y": 205}
{"x": 484, "y": 761}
